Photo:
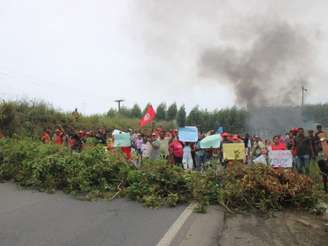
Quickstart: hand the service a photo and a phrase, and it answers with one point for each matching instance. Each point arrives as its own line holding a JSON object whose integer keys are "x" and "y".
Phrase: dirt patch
{"x": 282, "y": 229}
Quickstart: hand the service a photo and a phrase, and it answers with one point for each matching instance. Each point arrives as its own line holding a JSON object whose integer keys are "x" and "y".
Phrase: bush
{"x": 50, "y": 167}
{"x": 158, "y": 183}
{"x": 30, "y": 118}
{"x": 264, "y": 188}
{"x": 96, "y": 173}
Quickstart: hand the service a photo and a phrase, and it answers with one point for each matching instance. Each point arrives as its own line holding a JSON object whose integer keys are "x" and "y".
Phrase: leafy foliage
{"x": 161, "y": 111}
{"x": 96, "y": 173}
{"x": 172, "y": 112}
{"x": 136, "y": 111}
{"x": 158, "y": 183}
{"x": 264, "y": 188}
{"x": 29, "y": 119}
{"x": 181, "y": 116}
{"x": 51, "y": 167}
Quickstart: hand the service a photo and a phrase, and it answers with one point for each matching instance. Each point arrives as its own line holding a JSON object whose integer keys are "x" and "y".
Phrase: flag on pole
{"x": 148, "y": 117}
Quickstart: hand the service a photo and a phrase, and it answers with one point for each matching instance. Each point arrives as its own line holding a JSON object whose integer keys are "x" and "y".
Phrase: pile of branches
{"x": 265, "y": 188}
{"x": 96, "y": 173}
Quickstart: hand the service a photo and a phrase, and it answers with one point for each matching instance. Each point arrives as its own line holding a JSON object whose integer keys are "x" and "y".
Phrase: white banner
{"x": 281, "y": 158}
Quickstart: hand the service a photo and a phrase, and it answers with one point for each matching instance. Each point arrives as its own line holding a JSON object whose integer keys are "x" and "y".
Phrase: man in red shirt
{"x": 58, "y": 137}
{"x": 277, "y": 144}
{"x": 176, "y": 150}
{"x": 45, "y": 138}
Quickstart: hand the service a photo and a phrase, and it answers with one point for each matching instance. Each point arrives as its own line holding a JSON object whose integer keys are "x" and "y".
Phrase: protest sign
{"x": 219, "y": 130}
{"x": 212, "y": 141}
{"x": 234, "y": 151}
{"x": 116, "y": 132}
{"x": 281, "y": 158}
{"x": 188, "y": 134}
{"x": 260, "y": 160}
{"x": 122, "y": 140}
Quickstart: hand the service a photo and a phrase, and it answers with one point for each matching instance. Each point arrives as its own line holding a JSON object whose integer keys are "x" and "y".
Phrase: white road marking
{"x": 175, "y": 228}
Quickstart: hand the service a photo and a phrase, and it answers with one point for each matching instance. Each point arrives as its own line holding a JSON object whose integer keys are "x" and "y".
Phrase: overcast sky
{"x": 86, "y": 54}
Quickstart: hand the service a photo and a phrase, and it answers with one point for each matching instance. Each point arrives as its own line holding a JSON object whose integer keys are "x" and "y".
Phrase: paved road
{"x": 29, "y": 218}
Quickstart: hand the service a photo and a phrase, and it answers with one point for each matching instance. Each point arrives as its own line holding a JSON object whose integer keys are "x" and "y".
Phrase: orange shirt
{"x": 45, "y": 138}
{"x": 59, "y": 139}
{"x": 279, "y": 146}
{"x": 127, "y": 152}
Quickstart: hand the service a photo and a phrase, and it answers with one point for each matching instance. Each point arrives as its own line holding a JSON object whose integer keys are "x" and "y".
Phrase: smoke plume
{"x": 267, "y": 75}
{"x": 267, "y": 72}
{"x": 264, "y": 50}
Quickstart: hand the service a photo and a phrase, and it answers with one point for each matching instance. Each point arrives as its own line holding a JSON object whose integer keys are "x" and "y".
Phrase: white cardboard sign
{"x": 281, "y": 158}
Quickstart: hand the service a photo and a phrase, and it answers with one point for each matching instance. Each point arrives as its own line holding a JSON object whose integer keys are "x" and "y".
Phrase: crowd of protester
{"x": 161, "y": 144}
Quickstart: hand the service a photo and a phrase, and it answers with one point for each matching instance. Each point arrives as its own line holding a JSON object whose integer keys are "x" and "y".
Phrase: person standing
{"x": 155, "y": 150}
{"x": 45, "y": 138}
{"x": 321, "y": 149}
{"x": 312, "y": 143}
{"x": 277, "y": 144}
{"x": 75, "y": 141}
{"x": 317, "y": 149}
{"x": 101, "y": 136}
{"x": 303, "y": 151}
{"x": 164, "y": 145}
{"x": 127, "y": 152}
{"x": 176, "y": 150}
{"x": 248, "y": 146}
{"x": 187, "y": 158}
{"x": 138, "y": 142}
{"x": 58, "y": 137}
{"x": 146, "y": 148}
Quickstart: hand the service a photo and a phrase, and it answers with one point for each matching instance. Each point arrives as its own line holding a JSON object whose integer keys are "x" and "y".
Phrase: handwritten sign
{"x": 260, "y": 160}
{"x": 188, "y": 134}
{"x": 220, "y": 130}
{"x": 281, "y": 158}
{"x": 122, "y": 140}
{"x": 234, "y": 151}
{"x": 212, "y": 141}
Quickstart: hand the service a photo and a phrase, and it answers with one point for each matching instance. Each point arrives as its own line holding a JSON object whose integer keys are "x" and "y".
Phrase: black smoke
{"x": 270, "y": 71}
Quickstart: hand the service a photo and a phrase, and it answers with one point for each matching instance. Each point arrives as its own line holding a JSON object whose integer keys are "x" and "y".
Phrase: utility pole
{"x": 303, "y": 92}
{"x": 118, "y": 101}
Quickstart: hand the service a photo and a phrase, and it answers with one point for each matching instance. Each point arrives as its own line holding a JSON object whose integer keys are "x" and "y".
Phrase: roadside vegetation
{"x": 96, "y": 173}
{"x": 30, "y": 118}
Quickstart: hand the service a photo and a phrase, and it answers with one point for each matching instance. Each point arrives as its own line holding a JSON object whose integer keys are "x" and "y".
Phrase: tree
{"x": 126, "y": 112}
{"x": 195, "y": 117}
{"x": 181, "y": 116}
{"x": 112, "y": 112}
{"x": 7, "y": 118}
{"x": 172, "y": 112}
{"x": 136, "y": 111}
{"x": 161, "y": 111}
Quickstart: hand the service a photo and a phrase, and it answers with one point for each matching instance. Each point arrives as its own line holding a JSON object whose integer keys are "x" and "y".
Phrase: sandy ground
{"x": 282, "y": 229}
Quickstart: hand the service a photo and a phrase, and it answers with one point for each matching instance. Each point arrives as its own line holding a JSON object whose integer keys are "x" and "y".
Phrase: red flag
{"x": 148, "y": 117}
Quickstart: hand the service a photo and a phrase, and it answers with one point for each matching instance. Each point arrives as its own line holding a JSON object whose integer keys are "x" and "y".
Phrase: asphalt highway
{"x": 31, "y": 218}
